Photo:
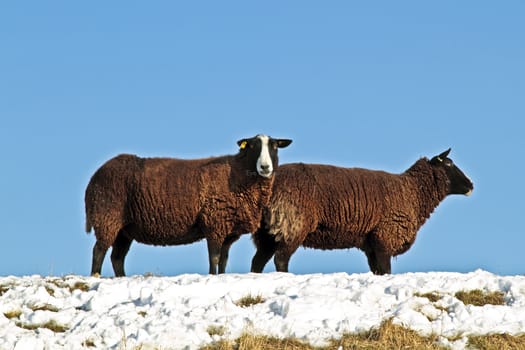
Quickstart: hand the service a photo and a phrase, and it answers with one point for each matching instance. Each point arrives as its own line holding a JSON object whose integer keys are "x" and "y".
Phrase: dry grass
{"x": 88, "y": 343}
{"x": 82, "y": 286}
{"x": 51, "y": 325}
{"x": 250, "y": 300}
{"x": 62, "y": 283}
{"x": 497, "y": 342}
{"x": 253, "y": 342}
{"x": 433, "y": 296}
{"x": 216, "y": 330}
{"x": 13, "y": 314}
{"x": 3, "y": 289}
{"x": 44, "y": 307}
{"x": 387, "y": 336}
{"x": 477, "y": 297}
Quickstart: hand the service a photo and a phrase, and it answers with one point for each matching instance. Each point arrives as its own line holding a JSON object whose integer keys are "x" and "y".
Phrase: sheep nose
{"x": 265, "y": 166}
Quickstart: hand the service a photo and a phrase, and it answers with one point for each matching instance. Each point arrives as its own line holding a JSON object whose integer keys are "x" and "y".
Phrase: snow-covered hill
{"x": 75, "y": 312}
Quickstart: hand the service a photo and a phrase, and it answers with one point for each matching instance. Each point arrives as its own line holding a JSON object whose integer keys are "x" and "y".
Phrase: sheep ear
{"x": 444, "y": 155}
{"x": 282, "y": 143}
{"x": 242, "y": 143}
{"x": 440, "y": 158}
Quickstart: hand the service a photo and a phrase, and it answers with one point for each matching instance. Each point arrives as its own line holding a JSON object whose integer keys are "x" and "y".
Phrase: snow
{"x": 177, "y": 312}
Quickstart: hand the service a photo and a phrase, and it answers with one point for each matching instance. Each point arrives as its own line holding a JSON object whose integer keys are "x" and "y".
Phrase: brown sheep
{"x": 328, "y": 207}
{"x": 167, "y": 201}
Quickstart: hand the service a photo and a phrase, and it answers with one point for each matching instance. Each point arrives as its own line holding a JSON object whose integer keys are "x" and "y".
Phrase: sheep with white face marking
{"x": 168, "y": 201}
{"x": 328, "y": 207}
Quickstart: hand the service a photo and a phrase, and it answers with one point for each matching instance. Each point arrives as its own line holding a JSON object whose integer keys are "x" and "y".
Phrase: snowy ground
{"x": 177, "y": 312}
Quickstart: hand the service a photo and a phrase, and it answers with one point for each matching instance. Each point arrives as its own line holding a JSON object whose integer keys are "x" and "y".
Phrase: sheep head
{"x": 458, "y": 182}
{"x": 260, "y": 153}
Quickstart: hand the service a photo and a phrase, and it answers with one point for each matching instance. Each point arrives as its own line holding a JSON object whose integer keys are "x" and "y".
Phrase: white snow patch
{"x": 177, "y": 312}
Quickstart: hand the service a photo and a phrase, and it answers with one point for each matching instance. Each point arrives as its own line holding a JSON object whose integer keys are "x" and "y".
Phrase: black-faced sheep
{"x": 328, "y": 207}
{"x": 167, "y": 201}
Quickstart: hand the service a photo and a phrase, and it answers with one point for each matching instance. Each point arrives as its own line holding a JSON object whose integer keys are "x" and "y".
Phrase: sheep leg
{"x": 378, "y": 262}
{"x": 260, "y": 259}
{"x": 214, "y": 255}
{"x": 118, "y": 253}
{"x": 99, "y": 252}
{"x": 383, "y": 264}
{"x": 225, "y": 251}
{"x": 266, "y": 247}
{"x": 372, "y": 261}
{"x": 378, "y": 259}
{"x": 281, "y": 260}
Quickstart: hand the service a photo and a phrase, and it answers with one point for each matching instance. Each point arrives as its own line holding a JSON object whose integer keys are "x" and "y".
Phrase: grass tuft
{"x": 88, "y": 343}
{"x": 3, "y": 289}
{"x": 216, "y": 330}
{"x": 477, "y": 297}
{"x": 44, "y": 307}
{"x": 50, "y": 291}
{"x": 432, "y": 296}
{"x": 51, "y": 325}
{"x": 62, "y": 283}
{"x": 387, "y": 336}
{"x": 13, "y": 314}
{"x": 250, "y": 300}
{"x": 82, "y": 286}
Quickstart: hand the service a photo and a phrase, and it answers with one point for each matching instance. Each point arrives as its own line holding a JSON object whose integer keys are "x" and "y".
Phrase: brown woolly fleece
{"x": 166, "y": 201}
{"x": 329, "y": 207}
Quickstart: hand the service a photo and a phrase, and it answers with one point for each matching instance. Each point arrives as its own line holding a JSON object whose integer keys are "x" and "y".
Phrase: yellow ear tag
{"x": 243, "y": 144}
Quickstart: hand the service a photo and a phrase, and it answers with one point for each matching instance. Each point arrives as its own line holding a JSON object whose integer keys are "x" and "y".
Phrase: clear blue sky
{"x": 373, "y": 84}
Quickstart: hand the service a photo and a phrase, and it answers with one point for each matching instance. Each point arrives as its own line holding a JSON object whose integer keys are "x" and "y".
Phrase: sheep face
{"x": 260, "y": 153}
{"x": 458, "y": 182}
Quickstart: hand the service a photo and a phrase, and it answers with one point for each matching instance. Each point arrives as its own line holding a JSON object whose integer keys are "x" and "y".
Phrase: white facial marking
{"x": 264, "y": 162}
